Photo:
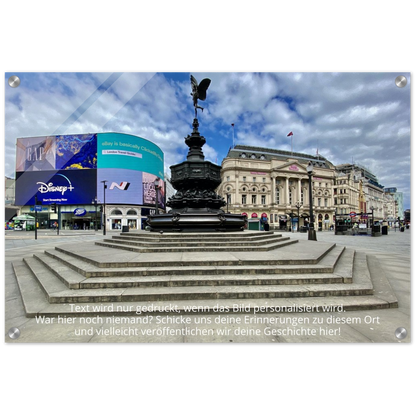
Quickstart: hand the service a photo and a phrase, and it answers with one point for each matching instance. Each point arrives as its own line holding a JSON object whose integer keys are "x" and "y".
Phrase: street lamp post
{"x": 372, "y": 221}
{"x": 104, "y": 217}
{"x": 311, "y": 231}
{"x": 94, "y": 201}
{"x": 36, "y": 216}
{"x": 157, "y": 187}
{"x": 298, "y": 206}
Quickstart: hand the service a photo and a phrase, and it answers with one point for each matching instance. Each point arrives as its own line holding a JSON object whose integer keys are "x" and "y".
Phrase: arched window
{"x": 131, "y": 212}
{"x": 116, "y": 212}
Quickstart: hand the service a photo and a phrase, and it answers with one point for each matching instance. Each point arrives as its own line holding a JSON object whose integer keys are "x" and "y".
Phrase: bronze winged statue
{"x": 199, "y": 91}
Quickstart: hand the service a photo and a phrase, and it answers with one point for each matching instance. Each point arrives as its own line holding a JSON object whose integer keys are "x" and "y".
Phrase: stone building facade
{"x": 261, "y": 182}
{"x": 275, "y": 184}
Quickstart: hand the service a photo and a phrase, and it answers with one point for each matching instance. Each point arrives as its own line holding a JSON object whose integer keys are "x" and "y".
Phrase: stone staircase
{"x": 202, "y": 272}
{"x": 154, "y": 242}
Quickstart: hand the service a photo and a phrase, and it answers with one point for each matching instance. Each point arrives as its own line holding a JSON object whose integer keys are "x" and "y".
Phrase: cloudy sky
{"x": 360, "y": 117}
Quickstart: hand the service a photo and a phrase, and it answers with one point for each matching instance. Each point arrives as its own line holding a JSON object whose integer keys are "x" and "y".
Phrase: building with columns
{"x": 271, "y": 183}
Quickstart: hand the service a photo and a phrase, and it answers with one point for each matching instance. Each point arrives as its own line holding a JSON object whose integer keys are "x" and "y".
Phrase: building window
{"x": 277, "y": 196}
{"x": 244, "y": 199}
{"x": 326, "y": 202}
{"x": 253, "y": 199}
{"x": 228, "y": 199}
{"x": 254, "y": 179}
{"x": 253, "y": 156}
{"x": 116, "y": 224}
{"x": 228, "y": 178}
{"x": 264, "y": 180}
{"x": 132, "y": 224}
{"x": 131, "y": 212}
{"x": 319, "y": 202}
{"x": 244, "y": 178}
{"x": 290, "y": 197}
{"x": 263, "y": 199}
{"x": 301, "y": 196}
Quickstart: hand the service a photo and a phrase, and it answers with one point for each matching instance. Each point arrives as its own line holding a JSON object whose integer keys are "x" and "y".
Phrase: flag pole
{"x": 233, "y": 135}
{"x": 291, "y": 141}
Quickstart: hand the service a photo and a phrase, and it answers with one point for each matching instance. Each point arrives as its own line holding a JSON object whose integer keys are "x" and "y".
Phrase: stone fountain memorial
{"x": 196, "y": 207}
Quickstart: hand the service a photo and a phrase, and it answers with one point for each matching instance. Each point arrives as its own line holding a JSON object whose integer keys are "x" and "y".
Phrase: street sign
{"x": 353, "y": 214}
{"x": 38, "y": 208}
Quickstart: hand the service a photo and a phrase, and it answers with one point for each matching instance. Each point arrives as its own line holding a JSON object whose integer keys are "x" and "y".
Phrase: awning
{"x": 23, "y": 217}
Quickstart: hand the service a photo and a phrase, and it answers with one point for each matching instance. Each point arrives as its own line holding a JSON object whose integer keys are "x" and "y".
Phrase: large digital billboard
{"x": 117, "y": 150}
{"x": 63, "y": 152}
{"x": 129, "y": 164}
{"x": 126, "y": 186}
{"x": 123, "y": 186}
{"x": 61, "y": 187}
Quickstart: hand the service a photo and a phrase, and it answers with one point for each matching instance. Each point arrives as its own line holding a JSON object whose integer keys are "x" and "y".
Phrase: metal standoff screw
{"x": 401, "y": 81}
{"x": 14, "y": 81}
{"x": 401, "y": 333}
{"x": 14, "y": 333}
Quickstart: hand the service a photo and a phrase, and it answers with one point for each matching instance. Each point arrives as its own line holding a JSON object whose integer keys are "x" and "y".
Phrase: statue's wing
{"x": 194, "y": 82}
{"x": 202, "y": 88}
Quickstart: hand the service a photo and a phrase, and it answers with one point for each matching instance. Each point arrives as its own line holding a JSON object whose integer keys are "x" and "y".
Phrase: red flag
{"x": 290, "y": 134}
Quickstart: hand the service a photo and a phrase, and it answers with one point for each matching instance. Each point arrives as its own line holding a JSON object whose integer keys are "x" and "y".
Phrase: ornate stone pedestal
{"x": 196, "y": 206}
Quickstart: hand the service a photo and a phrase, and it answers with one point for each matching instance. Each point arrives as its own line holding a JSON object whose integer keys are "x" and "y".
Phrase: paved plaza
{"x": 393, "y": 253}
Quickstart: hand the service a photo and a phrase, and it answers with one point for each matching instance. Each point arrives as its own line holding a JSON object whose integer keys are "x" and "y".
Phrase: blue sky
{"x": 352, "y": 116}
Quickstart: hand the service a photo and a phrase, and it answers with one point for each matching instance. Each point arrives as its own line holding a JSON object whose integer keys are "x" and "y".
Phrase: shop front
{"x": 130, "y": 217}
{"x": 78, "y": 218}
{"x": 89, "y": 217}
{"x": 283, "y": 222}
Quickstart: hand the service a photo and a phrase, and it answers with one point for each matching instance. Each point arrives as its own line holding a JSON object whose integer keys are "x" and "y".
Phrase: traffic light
{"x": 53, "y": 207}
{"x": 101, "y": 208}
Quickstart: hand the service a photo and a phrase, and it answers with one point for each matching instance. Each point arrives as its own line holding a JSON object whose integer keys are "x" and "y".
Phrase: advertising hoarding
{"x": 63, "y": 152}
{"x": 61, "y": 187}
{"x": 130, "y": 152}
{"x": 129, "y": 164}
{"x": 149, "y": 191}
{"x": 124, "y": 186}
